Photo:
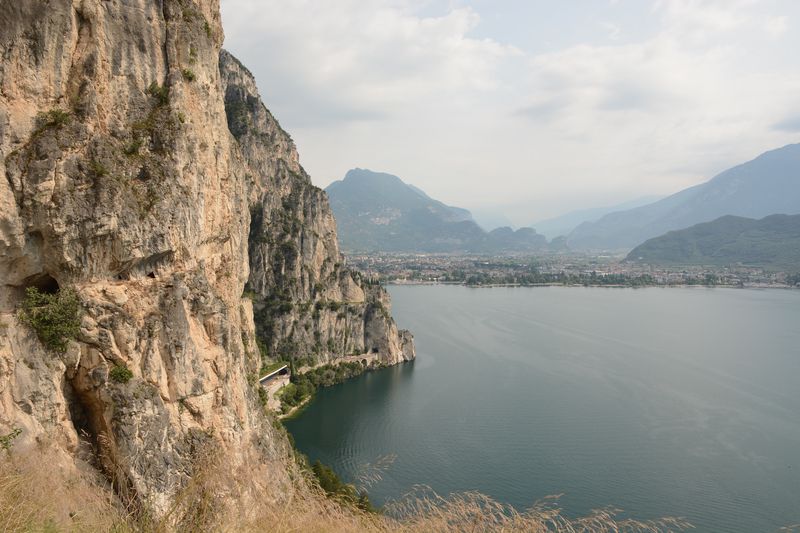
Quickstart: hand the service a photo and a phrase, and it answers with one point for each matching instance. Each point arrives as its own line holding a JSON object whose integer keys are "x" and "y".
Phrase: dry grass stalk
{"x": 371, "y": 473}
{"x": 253, "y": 496}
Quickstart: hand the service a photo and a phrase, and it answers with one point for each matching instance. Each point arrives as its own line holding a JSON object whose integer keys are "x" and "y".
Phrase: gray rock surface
{"x": 306, "y": 300}
{"x": 123, "y": 181}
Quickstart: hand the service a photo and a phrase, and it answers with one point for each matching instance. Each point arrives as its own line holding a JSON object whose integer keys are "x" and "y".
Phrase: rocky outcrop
{"x": 307, "y": 302}
{"x": 124, "y": 182}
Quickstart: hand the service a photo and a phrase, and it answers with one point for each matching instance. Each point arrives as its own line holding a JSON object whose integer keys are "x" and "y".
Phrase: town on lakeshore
{"x": 558, "y": 269}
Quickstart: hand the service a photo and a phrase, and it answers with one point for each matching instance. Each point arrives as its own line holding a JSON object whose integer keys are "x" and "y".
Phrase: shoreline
{"x": 372, "y": 364}
{"x": 297, "y": 410}
{"x": 592, "y": 285}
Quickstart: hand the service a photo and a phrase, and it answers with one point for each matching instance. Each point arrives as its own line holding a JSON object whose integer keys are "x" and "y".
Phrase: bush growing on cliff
{"x": 263, "y": 396}
{"x": 159, "y": 92}
{"x": 56, "y": 318}
{"x": 335, "y": 487}
{"x": 7, "y": 441}
{"x": 120, "y": 374}
{"x": 55, "y": 118}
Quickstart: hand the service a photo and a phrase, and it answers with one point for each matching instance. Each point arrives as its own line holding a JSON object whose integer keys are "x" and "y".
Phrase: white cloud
{"x": 478, "y": 121}
{"x": 644, "y": 113}
{"x": 776, "y": 26}
{"x": 366, "y": 60}
{"x": 704, "y": 15}
{"x": 613, "y": 30}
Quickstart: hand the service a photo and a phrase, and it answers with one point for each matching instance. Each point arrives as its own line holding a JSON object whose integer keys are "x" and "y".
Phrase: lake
{"x": 662, "y": 402}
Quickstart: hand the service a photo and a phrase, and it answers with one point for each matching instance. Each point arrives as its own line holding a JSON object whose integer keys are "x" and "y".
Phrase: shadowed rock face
{"x": 123, "y": 181}
{"x": 306, "y": 300}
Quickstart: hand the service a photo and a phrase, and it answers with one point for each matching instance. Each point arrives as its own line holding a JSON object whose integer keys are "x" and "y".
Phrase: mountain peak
{"x": 377, "y": 211}
{"x": 358, "y": 174}
{"x": 768, "y": 184}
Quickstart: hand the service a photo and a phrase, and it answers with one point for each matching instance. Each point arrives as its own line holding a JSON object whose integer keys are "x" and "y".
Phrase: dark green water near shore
{"x": 682, "y": 402}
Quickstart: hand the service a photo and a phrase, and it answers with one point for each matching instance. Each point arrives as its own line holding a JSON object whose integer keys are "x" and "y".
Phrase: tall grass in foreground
{"x": 35, "y": 495}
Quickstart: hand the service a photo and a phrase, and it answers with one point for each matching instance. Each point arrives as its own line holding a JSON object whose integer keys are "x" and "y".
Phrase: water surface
{"x": 682, "y": 402}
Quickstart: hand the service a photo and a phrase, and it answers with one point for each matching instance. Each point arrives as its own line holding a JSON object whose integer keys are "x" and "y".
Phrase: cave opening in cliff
{"x": 44, "y": 282}
{"x": 94, "y": 443}
{"x": 81, "y": 421}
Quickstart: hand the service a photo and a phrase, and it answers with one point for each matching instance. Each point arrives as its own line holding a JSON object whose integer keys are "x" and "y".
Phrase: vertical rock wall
{"x": 307, "y": 302}
{"x": 122, "y": 180}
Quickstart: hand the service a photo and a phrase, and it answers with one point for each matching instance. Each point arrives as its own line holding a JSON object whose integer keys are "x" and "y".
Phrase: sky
{"x": 526, "y": 108}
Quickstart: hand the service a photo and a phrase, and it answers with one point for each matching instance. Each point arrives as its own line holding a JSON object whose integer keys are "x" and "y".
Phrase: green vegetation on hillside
{"x": 120, "y": 374}
{"x": 271, "y": 367}
{"x": 303, "y": 386}
{"x": 336, "y": 488}
{"x": 56, "y": 318}
{"x": 55, "y": 118}
{"x": 772, "y": 242}
{"x": 7, "y": 440}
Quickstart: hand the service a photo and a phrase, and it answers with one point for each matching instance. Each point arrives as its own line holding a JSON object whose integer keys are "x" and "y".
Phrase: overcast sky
{"x": 532, "y": 107}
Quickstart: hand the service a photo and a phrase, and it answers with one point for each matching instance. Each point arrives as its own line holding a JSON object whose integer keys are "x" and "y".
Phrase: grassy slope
{"x": 35, "y": 495}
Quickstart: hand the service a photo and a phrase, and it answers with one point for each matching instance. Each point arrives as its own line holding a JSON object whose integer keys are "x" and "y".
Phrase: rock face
{"x": 124, "y": 182}
{"x": 306, "y": 301}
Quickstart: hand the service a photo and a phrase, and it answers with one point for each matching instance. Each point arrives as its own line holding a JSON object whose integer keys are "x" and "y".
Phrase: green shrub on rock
{"x": 55, "y": 118}
{"x": 7, "y": 441}
{"x": 56, "y": 318}
{"x": 120, "y": 374}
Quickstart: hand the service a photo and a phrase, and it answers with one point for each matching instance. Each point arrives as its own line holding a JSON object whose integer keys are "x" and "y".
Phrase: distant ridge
{"x": 564, "y": 224}
{"x": 766, "y": 185}
{"x": 772, "y": 242}
{"x": 376, "y": 211}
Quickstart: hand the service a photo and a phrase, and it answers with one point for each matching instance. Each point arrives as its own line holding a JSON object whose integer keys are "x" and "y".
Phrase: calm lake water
{"x": 663, "y": 402}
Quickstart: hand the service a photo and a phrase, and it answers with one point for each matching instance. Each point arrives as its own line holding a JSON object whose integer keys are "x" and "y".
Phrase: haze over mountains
{"x": 564, "y": 224}
{"x": 773, "y": 241}
{"x": 379, "y": 212}
{"x": 769, "y": 184}
{"x": 376, "y": 211}
{"x": 491, "y": 218}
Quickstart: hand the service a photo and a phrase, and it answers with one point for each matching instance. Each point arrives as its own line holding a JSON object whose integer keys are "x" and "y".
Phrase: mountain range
{"x": 564, "y": 224}
{"x": 376, "y": 211}
{"x": 773, "y": 241}
{"x": 769, "y": 184}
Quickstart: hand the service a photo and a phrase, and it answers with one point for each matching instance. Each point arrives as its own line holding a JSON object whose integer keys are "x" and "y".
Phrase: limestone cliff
{"x": 124, "y": 182}
{"x": 306, "y": 301}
